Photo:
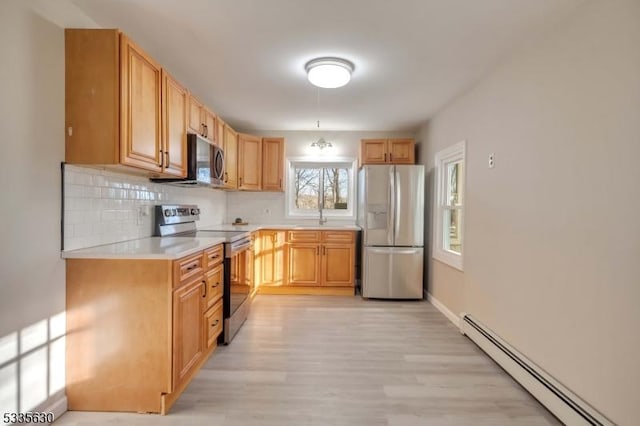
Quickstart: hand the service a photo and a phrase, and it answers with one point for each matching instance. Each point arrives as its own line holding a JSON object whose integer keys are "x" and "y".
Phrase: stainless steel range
{"x": 180, "y": 220}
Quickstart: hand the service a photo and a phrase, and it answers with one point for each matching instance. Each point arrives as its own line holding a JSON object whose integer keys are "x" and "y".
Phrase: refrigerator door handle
{"x": 396, "y": 203}
{"x": 391, "y": 216}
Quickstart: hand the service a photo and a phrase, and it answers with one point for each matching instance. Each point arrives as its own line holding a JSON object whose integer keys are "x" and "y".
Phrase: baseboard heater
{"x": 564, "y": 404}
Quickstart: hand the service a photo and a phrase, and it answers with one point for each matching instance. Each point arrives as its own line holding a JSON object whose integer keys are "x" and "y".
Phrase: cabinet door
{"x": 272, "y": 164}
{"x": 196, "y": 115}
{"x": 140, "y": 108}
{"x": 402, "y": 151}
{"x": 174, "y": 103}
{"x": 373, "y": 151}
{"x": 187, "y": 329}
{"x": 220, "y": 132}
{"x": 338, "y": 265}
{"x": 230, "y": 158}
{"x": 210, "y": 126}
{"x": 272, "y": 258}
{"x": 215, "y": 284}
{"x": 212, "y": 324}
{"x": 249, "y": 162}
{"x": 303, "y": 261}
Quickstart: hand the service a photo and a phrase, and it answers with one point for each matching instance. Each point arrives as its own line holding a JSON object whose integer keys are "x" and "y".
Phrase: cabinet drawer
{"x": 215, "y": 287}
{"x": 303, "y": 236}
{"x": 213, "y": 256}
{"x": 187, "y": 268}
{"x": 338, "y": 236}
{"x": 212, "y": 324}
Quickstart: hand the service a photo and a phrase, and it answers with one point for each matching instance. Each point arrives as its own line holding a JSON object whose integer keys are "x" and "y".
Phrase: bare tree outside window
{"x": 307, "y": 188}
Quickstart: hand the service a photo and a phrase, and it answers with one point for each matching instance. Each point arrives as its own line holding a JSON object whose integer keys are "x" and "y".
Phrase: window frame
{"x": 443, "y": 158}
{"x": 344, "y": 214}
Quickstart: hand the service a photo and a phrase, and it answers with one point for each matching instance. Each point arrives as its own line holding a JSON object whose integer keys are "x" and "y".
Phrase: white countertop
{"x": 146, "y": 248}
{"x": 258, "y": 226}
{"x": 177, "y": 247}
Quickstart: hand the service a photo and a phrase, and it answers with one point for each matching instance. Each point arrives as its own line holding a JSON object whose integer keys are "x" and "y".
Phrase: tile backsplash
{"x": 102, "y": 207}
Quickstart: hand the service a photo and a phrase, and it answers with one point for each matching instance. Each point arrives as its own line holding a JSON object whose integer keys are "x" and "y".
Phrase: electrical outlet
{"x": 143, "y": 211}
{"x": 492, "y": 162}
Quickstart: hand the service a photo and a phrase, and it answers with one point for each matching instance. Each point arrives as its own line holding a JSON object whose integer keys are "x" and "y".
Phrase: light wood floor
{"x": 327, "y": 360}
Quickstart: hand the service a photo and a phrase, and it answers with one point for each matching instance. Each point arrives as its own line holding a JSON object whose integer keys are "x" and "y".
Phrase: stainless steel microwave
{"x": 205, "y": 164}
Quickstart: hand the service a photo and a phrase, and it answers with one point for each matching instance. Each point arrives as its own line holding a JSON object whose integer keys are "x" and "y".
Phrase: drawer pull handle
{"x": 215, "y": 323}
{"x": 192, "y": 267}
{"x": 215, "y": 285}
{"x": 204, "y": 284}
{"x": 214, "y": 256}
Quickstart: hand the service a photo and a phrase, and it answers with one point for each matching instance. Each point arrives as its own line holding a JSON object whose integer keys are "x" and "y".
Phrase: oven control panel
{"x": 170, "y": 214}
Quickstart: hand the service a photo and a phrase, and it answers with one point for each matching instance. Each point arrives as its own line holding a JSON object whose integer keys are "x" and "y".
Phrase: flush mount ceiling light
{"x": 329, "y": 73}
{"x": 321, "y": 144}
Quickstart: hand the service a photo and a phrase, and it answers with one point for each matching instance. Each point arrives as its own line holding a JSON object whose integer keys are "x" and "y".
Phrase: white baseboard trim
{"x": 57, "y": 405}
{"x": 455, "y": 319}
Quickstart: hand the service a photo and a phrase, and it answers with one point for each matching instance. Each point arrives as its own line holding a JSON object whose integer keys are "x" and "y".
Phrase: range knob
{"x": 167, "y": 212}
{"x": 195, "y": 212}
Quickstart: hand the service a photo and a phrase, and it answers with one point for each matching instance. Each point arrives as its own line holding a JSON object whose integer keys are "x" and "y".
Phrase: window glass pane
{"x": 455, "y": 181}
{"x": 452, "y": 231}
{"x": 306, "y": 186}
{"x": 336, "y": 188}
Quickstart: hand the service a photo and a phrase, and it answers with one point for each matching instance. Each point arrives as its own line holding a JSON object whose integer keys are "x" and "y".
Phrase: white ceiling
{"x": 245, "y": 58}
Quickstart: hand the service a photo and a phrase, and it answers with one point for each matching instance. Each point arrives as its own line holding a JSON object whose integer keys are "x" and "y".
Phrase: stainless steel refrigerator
{"x": 391, "y": 214}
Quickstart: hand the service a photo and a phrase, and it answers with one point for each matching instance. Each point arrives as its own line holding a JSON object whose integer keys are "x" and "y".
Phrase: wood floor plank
{"x": 331, "y": 360}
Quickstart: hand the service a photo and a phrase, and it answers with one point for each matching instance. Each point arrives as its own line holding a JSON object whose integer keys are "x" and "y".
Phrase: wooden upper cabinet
{"x": 230, "y": 158}
{"x": 373, "y": 151}
{"x": 401, "y": 151}
{"x": 201, "y": 120}
{"x": 174, "y": 131}
{"x": 210, "y": 126}
{"x": 140, "y": 108}
{"x": 220, "y": 132}
{"x": 387, "y": 151}
{"x": 273, "y": 164}
{"x": 196, "y": 115}
{"x": 120, "y": 109}
{"x": 249, "y": 162}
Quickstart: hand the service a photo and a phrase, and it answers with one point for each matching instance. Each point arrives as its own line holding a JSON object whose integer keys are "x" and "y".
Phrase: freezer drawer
{"x": 392, "y": 272}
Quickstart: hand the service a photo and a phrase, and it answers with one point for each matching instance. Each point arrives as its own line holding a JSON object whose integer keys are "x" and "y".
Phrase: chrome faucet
{"x": 322, "y": 220}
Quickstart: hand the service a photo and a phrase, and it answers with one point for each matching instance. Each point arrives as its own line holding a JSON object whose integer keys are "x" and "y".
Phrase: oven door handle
{"x": 239, "y": 248}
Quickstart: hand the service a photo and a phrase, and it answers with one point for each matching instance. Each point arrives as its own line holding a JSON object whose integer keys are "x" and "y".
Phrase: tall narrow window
{"x": 316, "y": 185}
{"x": 449, "y": 205}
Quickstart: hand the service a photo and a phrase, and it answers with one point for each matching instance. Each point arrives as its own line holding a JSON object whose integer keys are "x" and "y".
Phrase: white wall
{"x": 552, "y": 239}
{"x": 102, "y": 207}
{"x": 253, "y": 206}
{"x": 32, "y": 279}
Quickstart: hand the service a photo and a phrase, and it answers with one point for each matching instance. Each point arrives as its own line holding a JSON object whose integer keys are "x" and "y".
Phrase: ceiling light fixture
{"x": 329, "y": 73}
{"x": 321, "y": 144}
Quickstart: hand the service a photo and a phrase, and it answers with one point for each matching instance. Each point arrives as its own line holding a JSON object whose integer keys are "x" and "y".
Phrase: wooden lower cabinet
{"x": 187, "y": 328}
{"x": 139, "y": 330}
{"x": 313, "y": 262}
{"x": 338, "y": 262}
{"x": 303, "y": 264}
{"x": 270, "y": 255}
